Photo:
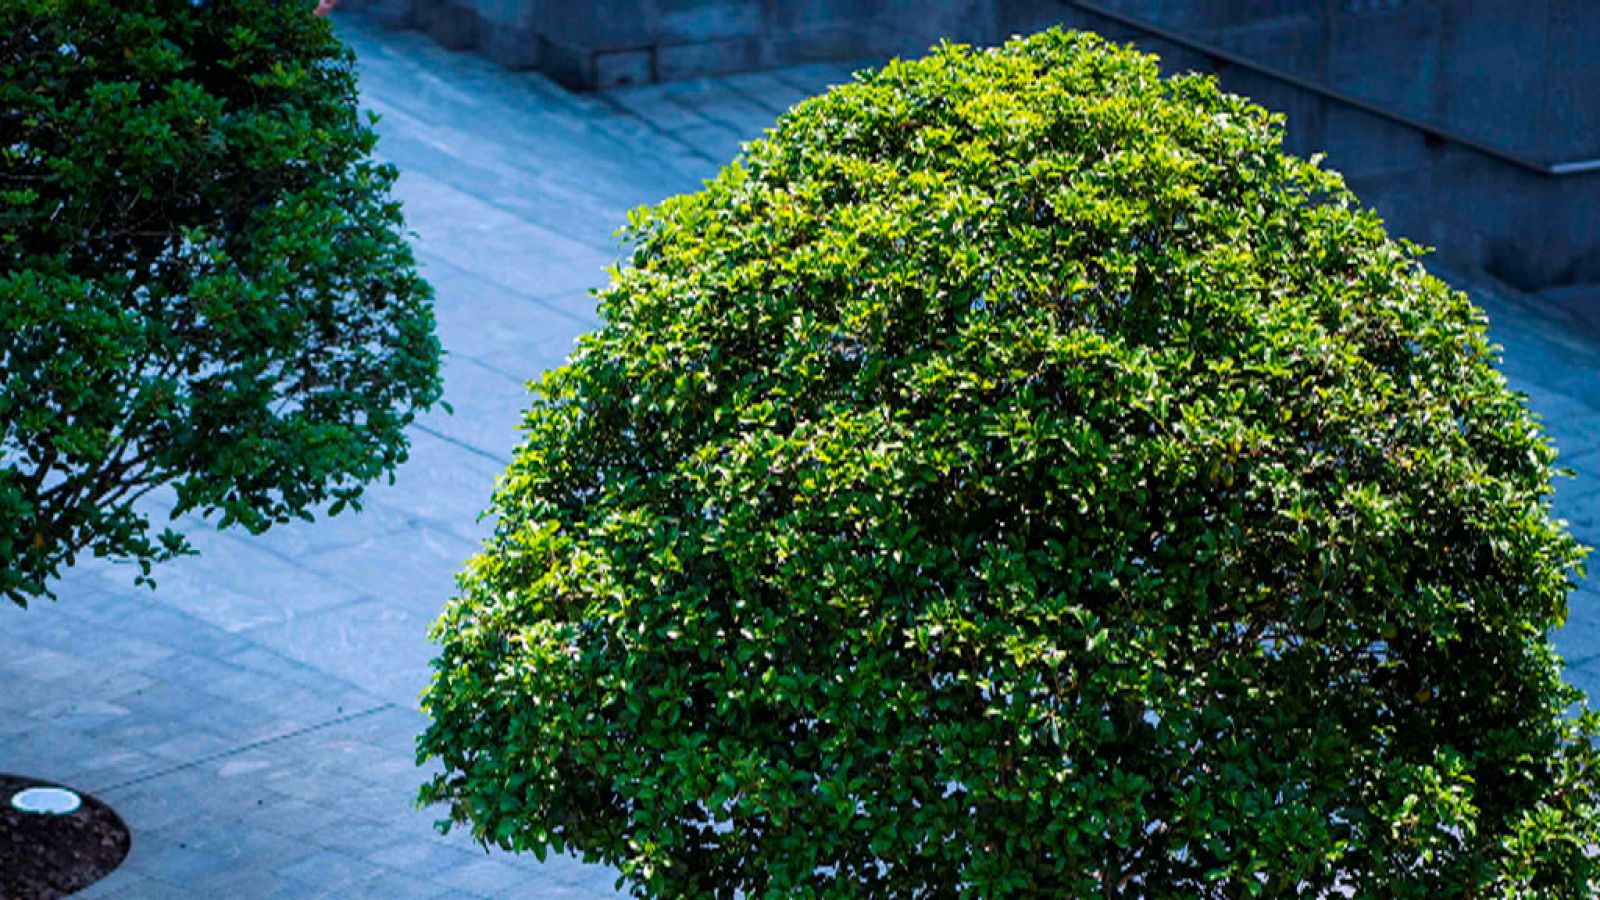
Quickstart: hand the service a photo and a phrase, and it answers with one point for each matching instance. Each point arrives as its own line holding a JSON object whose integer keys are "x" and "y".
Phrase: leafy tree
{"x": 1017, "y": 476}
{"x": 203, "y": 280}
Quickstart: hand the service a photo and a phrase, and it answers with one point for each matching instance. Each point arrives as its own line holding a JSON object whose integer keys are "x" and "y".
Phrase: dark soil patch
{"x": 44, "y": 856}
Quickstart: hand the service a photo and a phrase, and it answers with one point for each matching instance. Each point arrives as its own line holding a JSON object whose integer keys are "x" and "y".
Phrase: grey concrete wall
{"x": 1516, "y": 77}
{"x": 590, "y": 44}
{"x": 1519, "y": 76}
{"x": 1512, "y": 76}
{"x": 1572, "y": 99}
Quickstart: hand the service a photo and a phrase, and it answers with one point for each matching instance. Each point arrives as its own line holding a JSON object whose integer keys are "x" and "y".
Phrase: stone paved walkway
{"x": 253, "y": 718}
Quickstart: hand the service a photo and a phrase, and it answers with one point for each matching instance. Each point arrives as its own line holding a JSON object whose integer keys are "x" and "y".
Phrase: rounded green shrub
{"x": 1016, "y": 476}
{"x": 204, "y": 283}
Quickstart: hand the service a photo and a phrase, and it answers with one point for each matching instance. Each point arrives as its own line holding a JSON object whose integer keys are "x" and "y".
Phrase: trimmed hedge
{"x": 1017, "y": 476}
{"x": 204, "y": 283}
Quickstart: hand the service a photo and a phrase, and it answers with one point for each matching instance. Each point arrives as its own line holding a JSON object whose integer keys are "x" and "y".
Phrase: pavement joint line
{"x": 1579, "y": 662}
{"x": 438, "y": 526}
{"x": 542, "y": 300}
{"x": 677, "y": 99}
{"x": 489, "y": 367}
{"x": 1574, "y": 455}
{"x": 253, "y": 630}
{"x": 494, "y": 203}
{"x": 192, "y": 617}
{"x": 296, "y": 561}
{"x": 314, "y": 553}
{"x": 621, "y": 110}
{"x": 245, "y": 748}
{"x": 847, "y": 75}
{"x": 725, "y": 125}
{"x": 812, "y": 90}
{"x": 409, "y": 526}
{"x": 757, "y": 101}
{"x": 502, "y": 461}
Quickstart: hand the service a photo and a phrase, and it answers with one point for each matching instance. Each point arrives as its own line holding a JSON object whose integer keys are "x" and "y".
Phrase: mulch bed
{"x": 45, "y": 856}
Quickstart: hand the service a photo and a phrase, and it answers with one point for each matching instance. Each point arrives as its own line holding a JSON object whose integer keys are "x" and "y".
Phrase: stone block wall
{"x": 1508, "y": 78}
{"x": 1515, "y": 79}
{"x": 595, "y": 44}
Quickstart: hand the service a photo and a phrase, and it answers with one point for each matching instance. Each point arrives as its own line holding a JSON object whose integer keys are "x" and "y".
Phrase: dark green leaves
{"x": 203, "y": 282}
{"x": 1016, "y": 476}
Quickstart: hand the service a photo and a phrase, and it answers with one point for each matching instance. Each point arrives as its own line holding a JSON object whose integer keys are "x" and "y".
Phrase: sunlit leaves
{"x": 1016, "y": 476}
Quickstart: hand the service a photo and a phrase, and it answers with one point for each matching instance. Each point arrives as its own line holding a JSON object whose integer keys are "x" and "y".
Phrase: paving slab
{"x": 254, "y": 717}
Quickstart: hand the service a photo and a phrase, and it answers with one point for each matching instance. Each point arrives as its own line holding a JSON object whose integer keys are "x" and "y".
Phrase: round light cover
{"x": 50, "y": 801}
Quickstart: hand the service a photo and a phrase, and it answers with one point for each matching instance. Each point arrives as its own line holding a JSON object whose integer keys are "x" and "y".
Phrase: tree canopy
{"x": 1018, "y": 476}
{"x": 204, "y": 282}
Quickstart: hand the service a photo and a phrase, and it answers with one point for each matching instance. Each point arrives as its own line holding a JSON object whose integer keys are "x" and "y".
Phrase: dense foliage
{"x": 203, "y": 281}
{"x": 1017, "y": 476}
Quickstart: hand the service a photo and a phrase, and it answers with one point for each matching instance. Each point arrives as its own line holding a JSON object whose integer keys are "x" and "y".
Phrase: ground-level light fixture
{"x": 46, "y": 801}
